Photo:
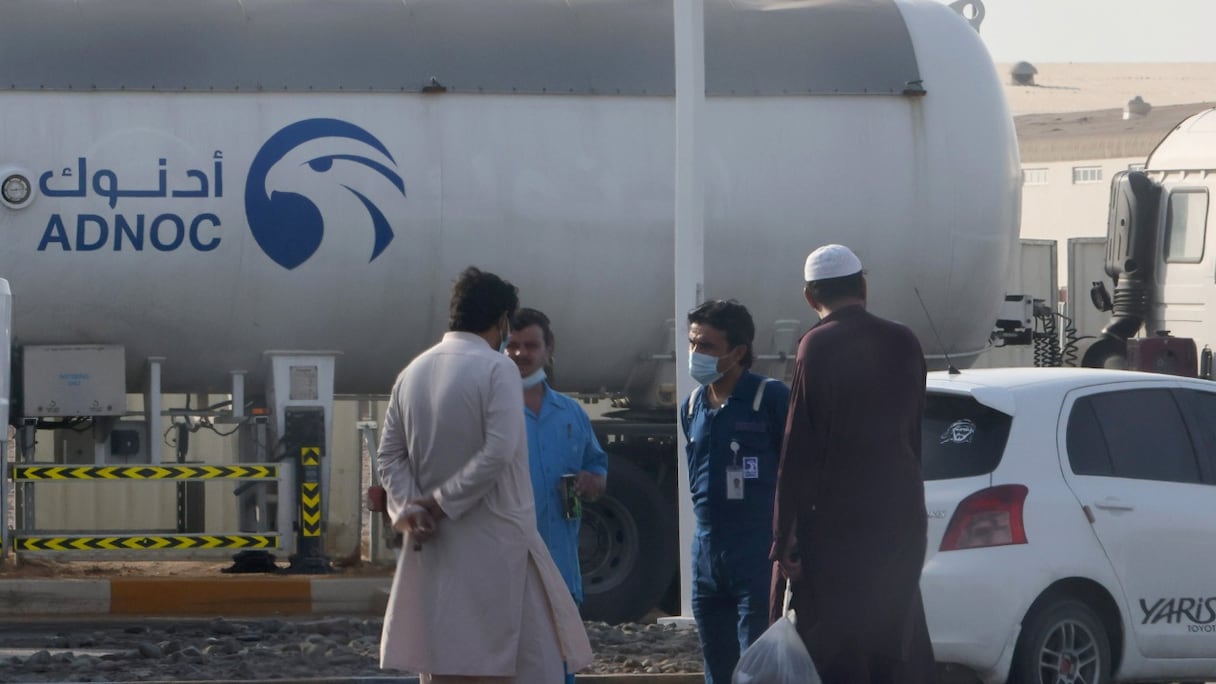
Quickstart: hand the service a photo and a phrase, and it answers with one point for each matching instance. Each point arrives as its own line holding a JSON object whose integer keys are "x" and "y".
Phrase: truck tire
{"x": 1062, "y": 641}
{"x": 628, "y": 546}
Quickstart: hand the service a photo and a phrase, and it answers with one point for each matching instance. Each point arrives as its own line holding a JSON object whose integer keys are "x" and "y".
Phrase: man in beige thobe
{"x": 476, "y": 596}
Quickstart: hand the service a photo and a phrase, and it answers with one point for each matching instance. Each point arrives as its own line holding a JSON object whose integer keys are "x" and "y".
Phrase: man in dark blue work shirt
{"x": 733, "y": 423}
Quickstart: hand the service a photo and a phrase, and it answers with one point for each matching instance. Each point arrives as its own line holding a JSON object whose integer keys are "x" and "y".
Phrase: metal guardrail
{"x": 32, "y": 473}
{"x": 143, "y": 542}
{"x": 31, "y": 540}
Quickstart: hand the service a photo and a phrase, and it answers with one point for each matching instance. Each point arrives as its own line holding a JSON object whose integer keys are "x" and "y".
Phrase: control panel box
{"x": 77, "y": 380}
{"x": 119, "y": 442}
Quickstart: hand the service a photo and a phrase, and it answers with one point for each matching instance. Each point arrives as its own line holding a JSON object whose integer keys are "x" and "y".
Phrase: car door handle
{"x": 1113, "y": 504}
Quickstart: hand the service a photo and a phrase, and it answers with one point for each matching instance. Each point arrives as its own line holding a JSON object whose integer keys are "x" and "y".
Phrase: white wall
{"x": 1034, "y": 275}
{"x": 1061, "y": 210}
{"x": 1087, "y": 264}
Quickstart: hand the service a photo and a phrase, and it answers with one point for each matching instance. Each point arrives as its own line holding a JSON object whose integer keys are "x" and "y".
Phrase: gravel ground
{"x": 220, "y": 649}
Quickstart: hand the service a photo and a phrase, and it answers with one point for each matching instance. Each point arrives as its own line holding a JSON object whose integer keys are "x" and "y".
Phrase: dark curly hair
{"x": 731, "y": 318}
{"x": 526, "y": 317}
{"x": 479, "y": 300}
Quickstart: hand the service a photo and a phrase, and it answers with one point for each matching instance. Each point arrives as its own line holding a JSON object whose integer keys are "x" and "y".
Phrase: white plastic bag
{"x": 778, "y": 656}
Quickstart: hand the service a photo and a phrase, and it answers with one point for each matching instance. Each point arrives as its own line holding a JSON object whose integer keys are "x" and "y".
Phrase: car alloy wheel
{"x": 1062, "y": 642}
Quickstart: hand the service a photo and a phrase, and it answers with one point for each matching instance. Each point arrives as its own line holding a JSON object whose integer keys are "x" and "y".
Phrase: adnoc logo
{"x": 286, "y": 224}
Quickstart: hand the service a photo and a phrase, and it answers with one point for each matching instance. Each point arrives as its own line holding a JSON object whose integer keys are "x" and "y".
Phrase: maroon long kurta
{"x": 850, "y": 487}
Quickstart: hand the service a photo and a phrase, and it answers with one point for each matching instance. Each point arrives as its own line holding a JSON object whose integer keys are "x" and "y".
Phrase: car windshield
{"x": 961, "y": 437}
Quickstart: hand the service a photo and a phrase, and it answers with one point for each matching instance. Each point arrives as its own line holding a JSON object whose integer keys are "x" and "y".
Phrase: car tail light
{"x": 989, "y": 517}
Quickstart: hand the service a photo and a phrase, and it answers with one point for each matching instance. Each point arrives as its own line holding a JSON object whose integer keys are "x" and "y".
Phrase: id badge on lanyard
{"x": 734, "y": 475}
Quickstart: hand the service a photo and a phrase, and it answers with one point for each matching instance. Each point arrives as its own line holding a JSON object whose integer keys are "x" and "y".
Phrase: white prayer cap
{"x": 831, "y": 261}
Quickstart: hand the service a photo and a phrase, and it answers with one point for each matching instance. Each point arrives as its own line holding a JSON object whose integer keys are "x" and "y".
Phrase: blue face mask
{"x": 703, "y": 368}
{"x": 534, "y": 379}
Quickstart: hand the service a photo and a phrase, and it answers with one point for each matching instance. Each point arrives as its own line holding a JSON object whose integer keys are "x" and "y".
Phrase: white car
{"x": 1072, "y": 525}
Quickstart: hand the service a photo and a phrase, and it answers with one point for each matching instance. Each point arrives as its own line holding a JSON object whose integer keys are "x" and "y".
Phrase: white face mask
{"x": 534, "y": 379}
{"x": 703, "y": 368}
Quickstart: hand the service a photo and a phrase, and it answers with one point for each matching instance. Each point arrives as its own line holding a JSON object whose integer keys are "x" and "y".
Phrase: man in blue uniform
{"x": 561, "y": 444}
{"x": 733, "y": 423}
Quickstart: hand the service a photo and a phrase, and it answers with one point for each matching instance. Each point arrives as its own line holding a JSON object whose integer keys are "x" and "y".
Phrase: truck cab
{"x": 1161, "y": 249}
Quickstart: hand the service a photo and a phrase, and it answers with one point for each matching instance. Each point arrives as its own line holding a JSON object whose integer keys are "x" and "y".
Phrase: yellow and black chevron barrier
{"x": 42, "y": 473}
{"x": 144, "y": 542}
{"x": 310, "y": 492}
{"x": 306, "y": 435}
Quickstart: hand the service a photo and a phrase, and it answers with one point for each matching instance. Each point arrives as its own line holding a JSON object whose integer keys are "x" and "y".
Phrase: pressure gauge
{"x": 15, "y": 190}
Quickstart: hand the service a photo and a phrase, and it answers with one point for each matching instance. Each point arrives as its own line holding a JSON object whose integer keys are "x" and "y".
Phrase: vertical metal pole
{"x": 286, "y": 504}
{"x": 238, "y": 393}
{"x": 4, "y": 489}
{"x": 6, "y": 355}
{"x": 180, "y": 487}
{"x": 367, "y": 433}
{"x": 4, "y": 521}
{"x": 24, "y": 491}
{"x": 261, "y": 499}
{"x": 152, "y": 404}
{"x": 689, "y": 234}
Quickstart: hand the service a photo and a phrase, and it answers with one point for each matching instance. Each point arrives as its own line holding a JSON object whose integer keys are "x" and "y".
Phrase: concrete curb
{"x": 54, "y": 597}
{"x": 226, "y": 596}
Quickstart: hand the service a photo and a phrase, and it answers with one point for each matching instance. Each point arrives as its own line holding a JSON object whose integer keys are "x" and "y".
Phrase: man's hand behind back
{"x": 417, "y": 522}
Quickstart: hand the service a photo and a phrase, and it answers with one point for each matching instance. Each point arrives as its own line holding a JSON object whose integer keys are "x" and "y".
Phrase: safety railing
{"x": 28, "y": 540}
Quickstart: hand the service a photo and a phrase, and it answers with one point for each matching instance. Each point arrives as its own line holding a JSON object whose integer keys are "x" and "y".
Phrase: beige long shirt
{"x": 454, "y": 429}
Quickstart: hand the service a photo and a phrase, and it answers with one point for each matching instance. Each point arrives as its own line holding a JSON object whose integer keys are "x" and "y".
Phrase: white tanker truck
{"x": 205, "y": 182}
{"x": 1159, "y": 225}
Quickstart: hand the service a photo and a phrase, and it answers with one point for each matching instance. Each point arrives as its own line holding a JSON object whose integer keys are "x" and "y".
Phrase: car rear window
{"x": 961, "y": 437}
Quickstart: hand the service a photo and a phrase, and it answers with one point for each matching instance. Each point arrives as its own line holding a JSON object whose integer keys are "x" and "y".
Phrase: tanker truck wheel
{"x": 628, "y": 546}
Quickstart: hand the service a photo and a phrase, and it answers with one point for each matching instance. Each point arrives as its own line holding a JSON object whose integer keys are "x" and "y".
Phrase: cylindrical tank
{"x": 309, "y": 204}
{"x": 1187, "y": 147}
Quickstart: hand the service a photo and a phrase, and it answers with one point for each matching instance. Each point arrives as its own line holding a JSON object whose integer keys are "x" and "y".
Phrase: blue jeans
{"x": 730, "y": 588}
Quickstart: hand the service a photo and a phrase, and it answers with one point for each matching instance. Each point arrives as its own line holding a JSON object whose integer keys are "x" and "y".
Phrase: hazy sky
{"x": 1100, "y": 30}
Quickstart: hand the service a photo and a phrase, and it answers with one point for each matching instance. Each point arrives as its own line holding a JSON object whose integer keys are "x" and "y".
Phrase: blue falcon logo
{"x": 287, "y": 225}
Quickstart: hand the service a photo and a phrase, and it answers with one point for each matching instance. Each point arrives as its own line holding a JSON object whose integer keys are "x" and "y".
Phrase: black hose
{"x": 1046, "y": 341}
{"x": 1068, "y": 355}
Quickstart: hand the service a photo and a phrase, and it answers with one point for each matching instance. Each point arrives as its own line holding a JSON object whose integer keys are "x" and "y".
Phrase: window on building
{"x": 1135, "y": 166}
{"x": 1034, "y": 176}
{"x": 1087, "y": 174}
{"x": 1185, "y": 225}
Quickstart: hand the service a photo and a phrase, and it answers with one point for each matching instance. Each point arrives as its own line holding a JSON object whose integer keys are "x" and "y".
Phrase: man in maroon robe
{"x": 849, "y": 521}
